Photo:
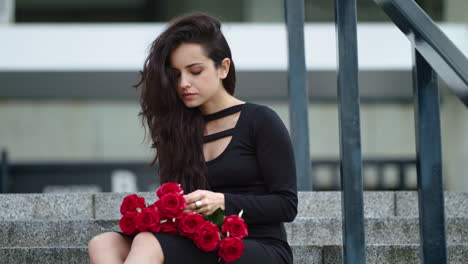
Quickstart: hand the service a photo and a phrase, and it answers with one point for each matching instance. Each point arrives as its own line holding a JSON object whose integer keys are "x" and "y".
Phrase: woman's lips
{"x": 188, "y": 95}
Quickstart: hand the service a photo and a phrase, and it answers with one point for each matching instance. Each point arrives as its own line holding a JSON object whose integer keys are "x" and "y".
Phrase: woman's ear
{"x": 223, "y": 69}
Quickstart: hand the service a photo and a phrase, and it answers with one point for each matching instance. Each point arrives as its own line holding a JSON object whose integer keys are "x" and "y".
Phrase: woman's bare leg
{"x": 108, "y": 248}
{"x": 145, "y": 249}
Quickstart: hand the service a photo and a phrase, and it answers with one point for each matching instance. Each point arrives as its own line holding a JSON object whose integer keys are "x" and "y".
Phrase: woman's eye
{"x": 196, "y": 73}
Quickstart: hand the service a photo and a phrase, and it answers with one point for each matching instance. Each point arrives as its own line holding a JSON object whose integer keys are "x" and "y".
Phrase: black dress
{"x": 256, "y": 173}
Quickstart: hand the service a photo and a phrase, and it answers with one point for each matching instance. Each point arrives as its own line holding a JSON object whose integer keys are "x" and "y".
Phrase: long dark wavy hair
{"x": 176, "y": 130}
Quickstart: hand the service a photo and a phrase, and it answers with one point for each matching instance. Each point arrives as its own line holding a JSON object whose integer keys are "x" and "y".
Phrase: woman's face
{"x": 199, "y": 81}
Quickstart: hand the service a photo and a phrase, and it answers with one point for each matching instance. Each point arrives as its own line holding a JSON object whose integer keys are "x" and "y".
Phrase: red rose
{"x": 131, "y": 203}
{"x": 148, "y": 220}
{"x": 230, "y": 249}
{"x": 190, "y": 223}
{"x": 168, "y": 188}
{"x": 153, "y": 206}
{"x": 169, "y": 226}
{"x": 207, "y": 237}
{"x": 128, "y": 223}
{"x": 236, "y": 227}
{"x": 171, "y": 205}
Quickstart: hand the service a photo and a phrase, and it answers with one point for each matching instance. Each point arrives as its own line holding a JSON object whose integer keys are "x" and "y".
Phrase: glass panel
{"x": 122, "y": 10}
{"x": 161, "y": 11}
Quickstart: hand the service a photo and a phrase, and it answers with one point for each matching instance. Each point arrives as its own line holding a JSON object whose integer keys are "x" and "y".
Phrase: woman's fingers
{"x": 206, "y": 210}
{"x": 194, "y": 196}
{"x": 207, "y": 201}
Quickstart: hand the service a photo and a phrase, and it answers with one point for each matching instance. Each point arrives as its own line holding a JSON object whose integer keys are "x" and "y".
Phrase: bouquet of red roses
{"x": 209, "y": 232}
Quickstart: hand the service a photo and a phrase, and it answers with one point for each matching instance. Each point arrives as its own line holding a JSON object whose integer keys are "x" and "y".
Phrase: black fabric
{"x": 218, "y": 135}
{"x": 256, "y": 173}
{"x": 223, "y": 113}
{"x": 178, "y": 249}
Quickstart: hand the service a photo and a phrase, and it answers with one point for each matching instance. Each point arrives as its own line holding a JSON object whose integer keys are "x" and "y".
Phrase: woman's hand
{"x": 204, "y": 202}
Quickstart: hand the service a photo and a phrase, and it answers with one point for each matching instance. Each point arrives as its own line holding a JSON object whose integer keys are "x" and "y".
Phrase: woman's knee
{"x": 109, "y": 240}
{"x": 147, "y": 243}
{"x": 145, "y": 239}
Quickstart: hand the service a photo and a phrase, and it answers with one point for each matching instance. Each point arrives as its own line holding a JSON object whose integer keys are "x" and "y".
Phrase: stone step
{"x": 82, "y": 206}
{"x": 394, "y": 230}
{"x": 44, "y": 255}
{"x": 311, "y": 204}
{"x": 303, "y": 231}
{"x": 375, "y": 254}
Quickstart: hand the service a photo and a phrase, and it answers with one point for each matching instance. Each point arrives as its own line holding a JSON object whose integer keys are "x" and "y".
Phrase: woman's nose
{"x": 184, "y": 82}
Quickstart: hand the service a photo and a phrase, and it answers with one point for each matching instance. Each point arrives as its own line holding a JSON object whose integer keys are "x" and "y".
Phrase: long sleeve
{"x": 275, "y": 159}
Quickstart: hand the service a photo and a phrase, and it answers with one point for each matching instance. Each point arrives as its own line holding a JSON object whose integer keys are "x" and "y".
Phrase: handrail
{"x": 433, "y": 55}
{"x": 443, "y": 56}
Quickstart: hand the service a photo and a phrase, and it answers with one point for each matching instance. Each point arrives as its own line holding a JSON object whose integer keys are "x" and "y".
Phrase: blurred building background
{"x": 67, "y": 70}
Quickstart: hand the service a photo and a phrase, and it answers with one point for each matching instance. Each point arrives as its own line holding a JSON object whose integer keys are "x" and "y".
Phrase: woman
{"x": 225, "y": 153}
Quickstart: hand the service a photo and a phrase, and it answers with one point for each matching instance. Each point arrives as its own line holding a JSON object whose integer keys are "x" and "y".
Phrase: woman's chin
{"x": 191, "y": 104}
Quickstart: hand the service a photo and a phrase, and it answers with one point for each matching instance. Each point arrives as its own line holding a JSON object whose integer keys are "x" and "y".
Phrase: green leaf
{"x": 217, "y": 217}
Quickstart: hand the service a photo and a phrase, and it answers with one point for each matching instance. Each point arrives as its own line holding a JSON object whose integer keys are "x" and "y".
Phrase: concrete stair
{"x": 310, "y": 254}
{"x": 55, "y": 228}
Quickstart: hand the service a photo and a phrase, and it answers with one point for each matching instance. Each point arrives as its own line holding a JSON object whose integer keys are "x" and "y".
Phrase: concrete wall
{"x": 41, "y": 131}
{"x": 454, "y": 124}
{"x": 455, "y": 11}
{"x": 71, "y": 130}
{"x": 103, "y": 130}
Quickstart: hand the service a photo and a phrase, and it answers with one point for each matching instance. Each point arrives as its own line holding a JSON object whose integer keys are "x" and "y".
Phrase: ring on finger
{"x": 198, "y": 204}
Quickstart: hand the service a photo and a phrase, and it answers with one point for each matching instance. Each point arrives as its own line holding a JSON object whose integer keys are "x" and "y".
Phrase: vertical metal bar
{"x": 429, "y": 163}
{"x": 401, "y": 177}
{"x": 4, "y": 172}
{"x": 297, "y": 90}
{"x": 350, "y": 134}
{"x": 380, "y": 176}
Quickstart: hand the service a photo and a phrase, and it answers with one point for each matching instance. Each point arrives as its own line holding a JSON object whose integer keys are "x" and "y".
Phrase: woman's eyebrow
{"x": 188, "y": 66}
{"x": 193, "y": 64}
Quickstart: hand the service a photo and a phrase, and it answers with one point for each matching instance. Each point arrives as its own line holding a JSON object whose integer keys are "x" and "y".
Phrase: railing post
{"x": 4, "y": 172}
{"x": 297, "y": 90}
{"x": 429, "y": 163}
{"x": 350, "y": 135}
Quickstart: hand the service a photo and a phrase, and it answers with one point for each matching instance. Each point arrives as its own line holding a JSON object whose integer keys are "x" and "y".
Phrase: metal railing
{"x": 433, "y": 55}
{"x": 348, "y": 102}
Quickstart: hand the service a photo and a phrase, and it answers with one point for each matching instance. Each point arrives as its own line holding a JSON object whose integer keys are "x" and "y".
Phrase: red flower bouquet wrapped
{"x": 208, "y": 232}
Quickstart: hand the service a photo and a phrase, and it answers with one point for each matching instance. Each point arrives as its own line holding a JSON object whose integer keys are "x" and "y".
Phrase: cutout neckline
{"x": 229, "y": 132}
{"x": 223, "y": 113}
